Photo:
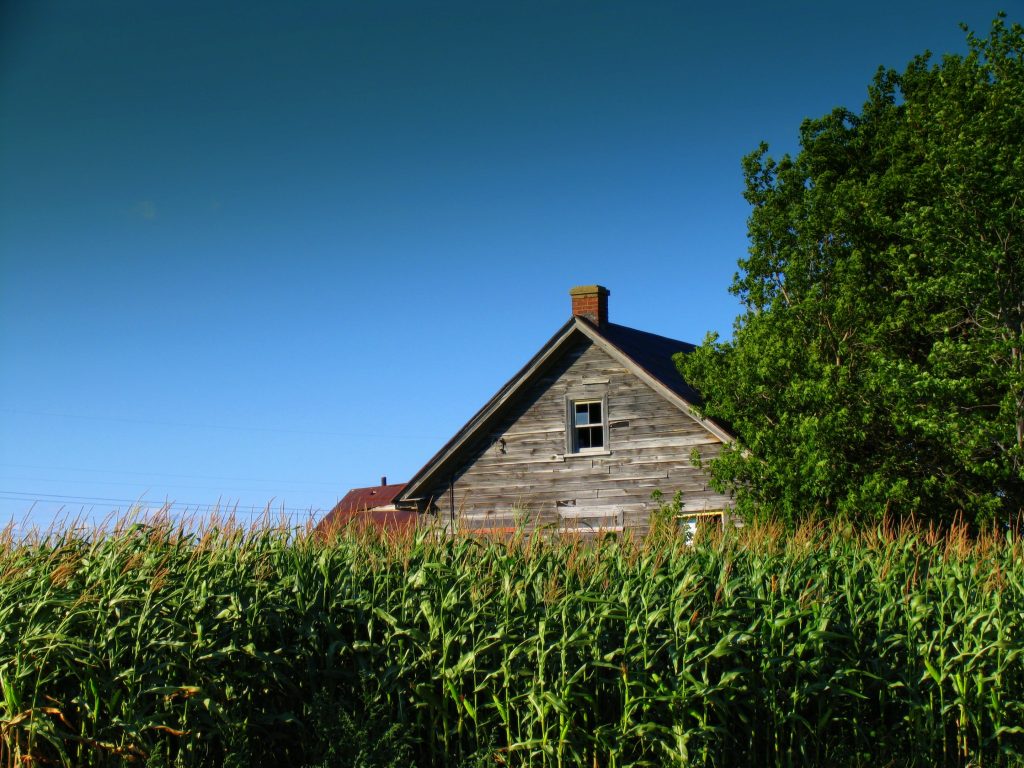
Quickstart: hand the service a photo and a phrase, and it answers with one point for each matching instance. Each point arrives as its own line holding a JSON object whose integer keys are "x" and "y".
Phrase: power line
{"x": 137, "y": 484}
{"x": 169, "y": 474}
{"x": 233, "y": 428}
{"x": 29, "y": 496}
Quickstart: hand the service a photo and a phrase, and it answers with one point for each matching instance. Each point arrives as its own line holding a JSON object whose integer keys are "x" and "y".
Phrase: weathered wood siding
{"x": 530, "y": 476}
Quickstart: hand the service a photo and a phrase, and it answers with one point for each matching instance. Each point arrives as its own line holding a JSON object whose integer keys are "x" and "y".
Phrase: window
{"x": 692, "y": 524}
{"x": 587, "y": 425}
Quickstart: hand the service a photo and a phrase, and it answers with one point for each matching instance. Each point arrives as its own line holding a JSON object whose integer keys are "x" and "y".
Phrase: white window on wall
{"x": 690, "y": 523}
{"x": 587, "y": 426}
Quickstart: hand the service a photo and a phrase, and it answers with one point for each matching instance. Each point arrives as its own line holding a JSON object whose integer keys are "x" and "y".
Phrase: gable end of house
{"x": 580, "y": 437}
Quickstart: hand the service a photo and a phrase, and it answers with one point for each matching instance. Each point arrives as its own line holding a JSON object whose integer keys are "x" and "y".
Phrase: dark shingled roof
{"x": 654, "y": 354}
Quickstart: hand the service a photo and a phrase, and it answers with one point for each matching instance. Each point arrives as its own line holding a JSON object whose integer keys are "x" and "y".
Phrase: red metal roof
{"x": 364, "y": 505}
{"x": 362, "y": 499}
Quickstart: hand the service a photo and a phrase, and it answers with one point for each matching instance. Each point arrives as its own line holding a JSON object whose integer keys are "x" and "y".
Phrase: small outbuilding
{"x": 373, "y": 505}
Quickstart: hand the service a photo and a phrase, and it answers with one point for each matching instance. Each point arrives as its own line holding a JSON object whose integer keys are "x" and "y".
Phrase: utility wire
{"x": 233, "y": 428}
{"x": 136, "y": 483}
{"x": 169, "y": 474}
{"x": 28, "y": 496}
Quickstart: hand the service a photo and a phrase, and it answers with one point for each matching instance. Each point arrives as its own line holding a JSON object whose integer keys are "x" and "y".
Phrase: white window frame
{"x": 571, "y": 441}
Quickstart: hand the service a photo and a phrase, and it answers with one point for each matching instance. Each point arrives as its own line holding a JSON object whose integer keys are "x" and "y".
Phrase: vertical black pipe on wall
{"x": 451, "y": 502}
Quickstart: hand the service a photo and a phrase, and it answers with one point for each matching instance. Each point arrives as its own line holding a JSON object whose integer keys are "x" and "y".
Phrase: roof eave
{"x": 594, "y": 334}
{"x": 413, "y": 488}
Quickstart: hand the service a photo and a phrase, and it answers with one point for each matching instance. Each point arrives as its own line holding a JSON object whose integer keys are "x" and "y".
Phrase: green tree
{"x": 877, "y": 366}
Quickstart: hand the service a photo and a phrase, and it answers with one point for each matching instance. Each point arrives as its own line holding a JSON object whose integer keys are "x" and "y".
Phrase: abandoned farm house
{"x": 578, "y": 440}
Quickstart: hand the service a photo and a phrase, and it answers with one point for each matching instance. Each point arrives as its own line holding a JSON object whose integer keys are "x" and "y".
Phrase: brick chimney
{"x": 591, "y": 302}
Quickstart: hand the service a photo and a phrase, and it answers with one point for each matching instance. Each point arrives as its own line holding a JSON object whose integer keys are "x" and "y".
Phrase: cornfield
{"x": 160, "y": 646}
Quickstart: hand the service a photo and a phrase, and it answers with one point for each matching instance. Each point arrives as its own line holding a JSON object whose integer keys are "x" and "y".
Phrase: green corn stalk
{"x": 222, "y": 645}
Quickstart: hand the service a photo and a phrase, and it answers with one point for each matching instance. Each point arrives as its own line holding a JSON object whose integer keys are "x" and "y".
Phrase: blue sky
{"x": 259, "y": 253}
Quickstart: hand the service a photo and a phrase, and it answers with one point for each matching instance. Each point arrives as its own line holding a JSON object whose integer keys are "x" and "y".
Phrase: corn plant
{"x": 162, "y": 644}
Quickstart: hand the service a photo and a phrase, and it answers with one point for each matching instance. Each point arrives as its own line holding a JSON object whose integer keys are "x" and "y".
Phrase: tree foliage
{"x": 877, "y": 366}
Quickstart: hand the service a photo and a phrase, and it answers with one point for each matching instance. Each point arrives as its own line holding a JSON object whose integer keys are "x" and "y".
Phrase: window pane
{"x": 583, "y": 438}
{"x": 596, "y": 437}
{"x": 688, "y": 526}
{"x": 582, "y": 413}
{"x": 595, "y": 413}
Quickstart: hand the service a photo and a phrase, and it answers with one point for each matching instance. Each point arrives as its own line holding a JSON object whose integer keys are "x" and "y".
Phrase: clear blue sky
{"x": 268, "y": 251}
